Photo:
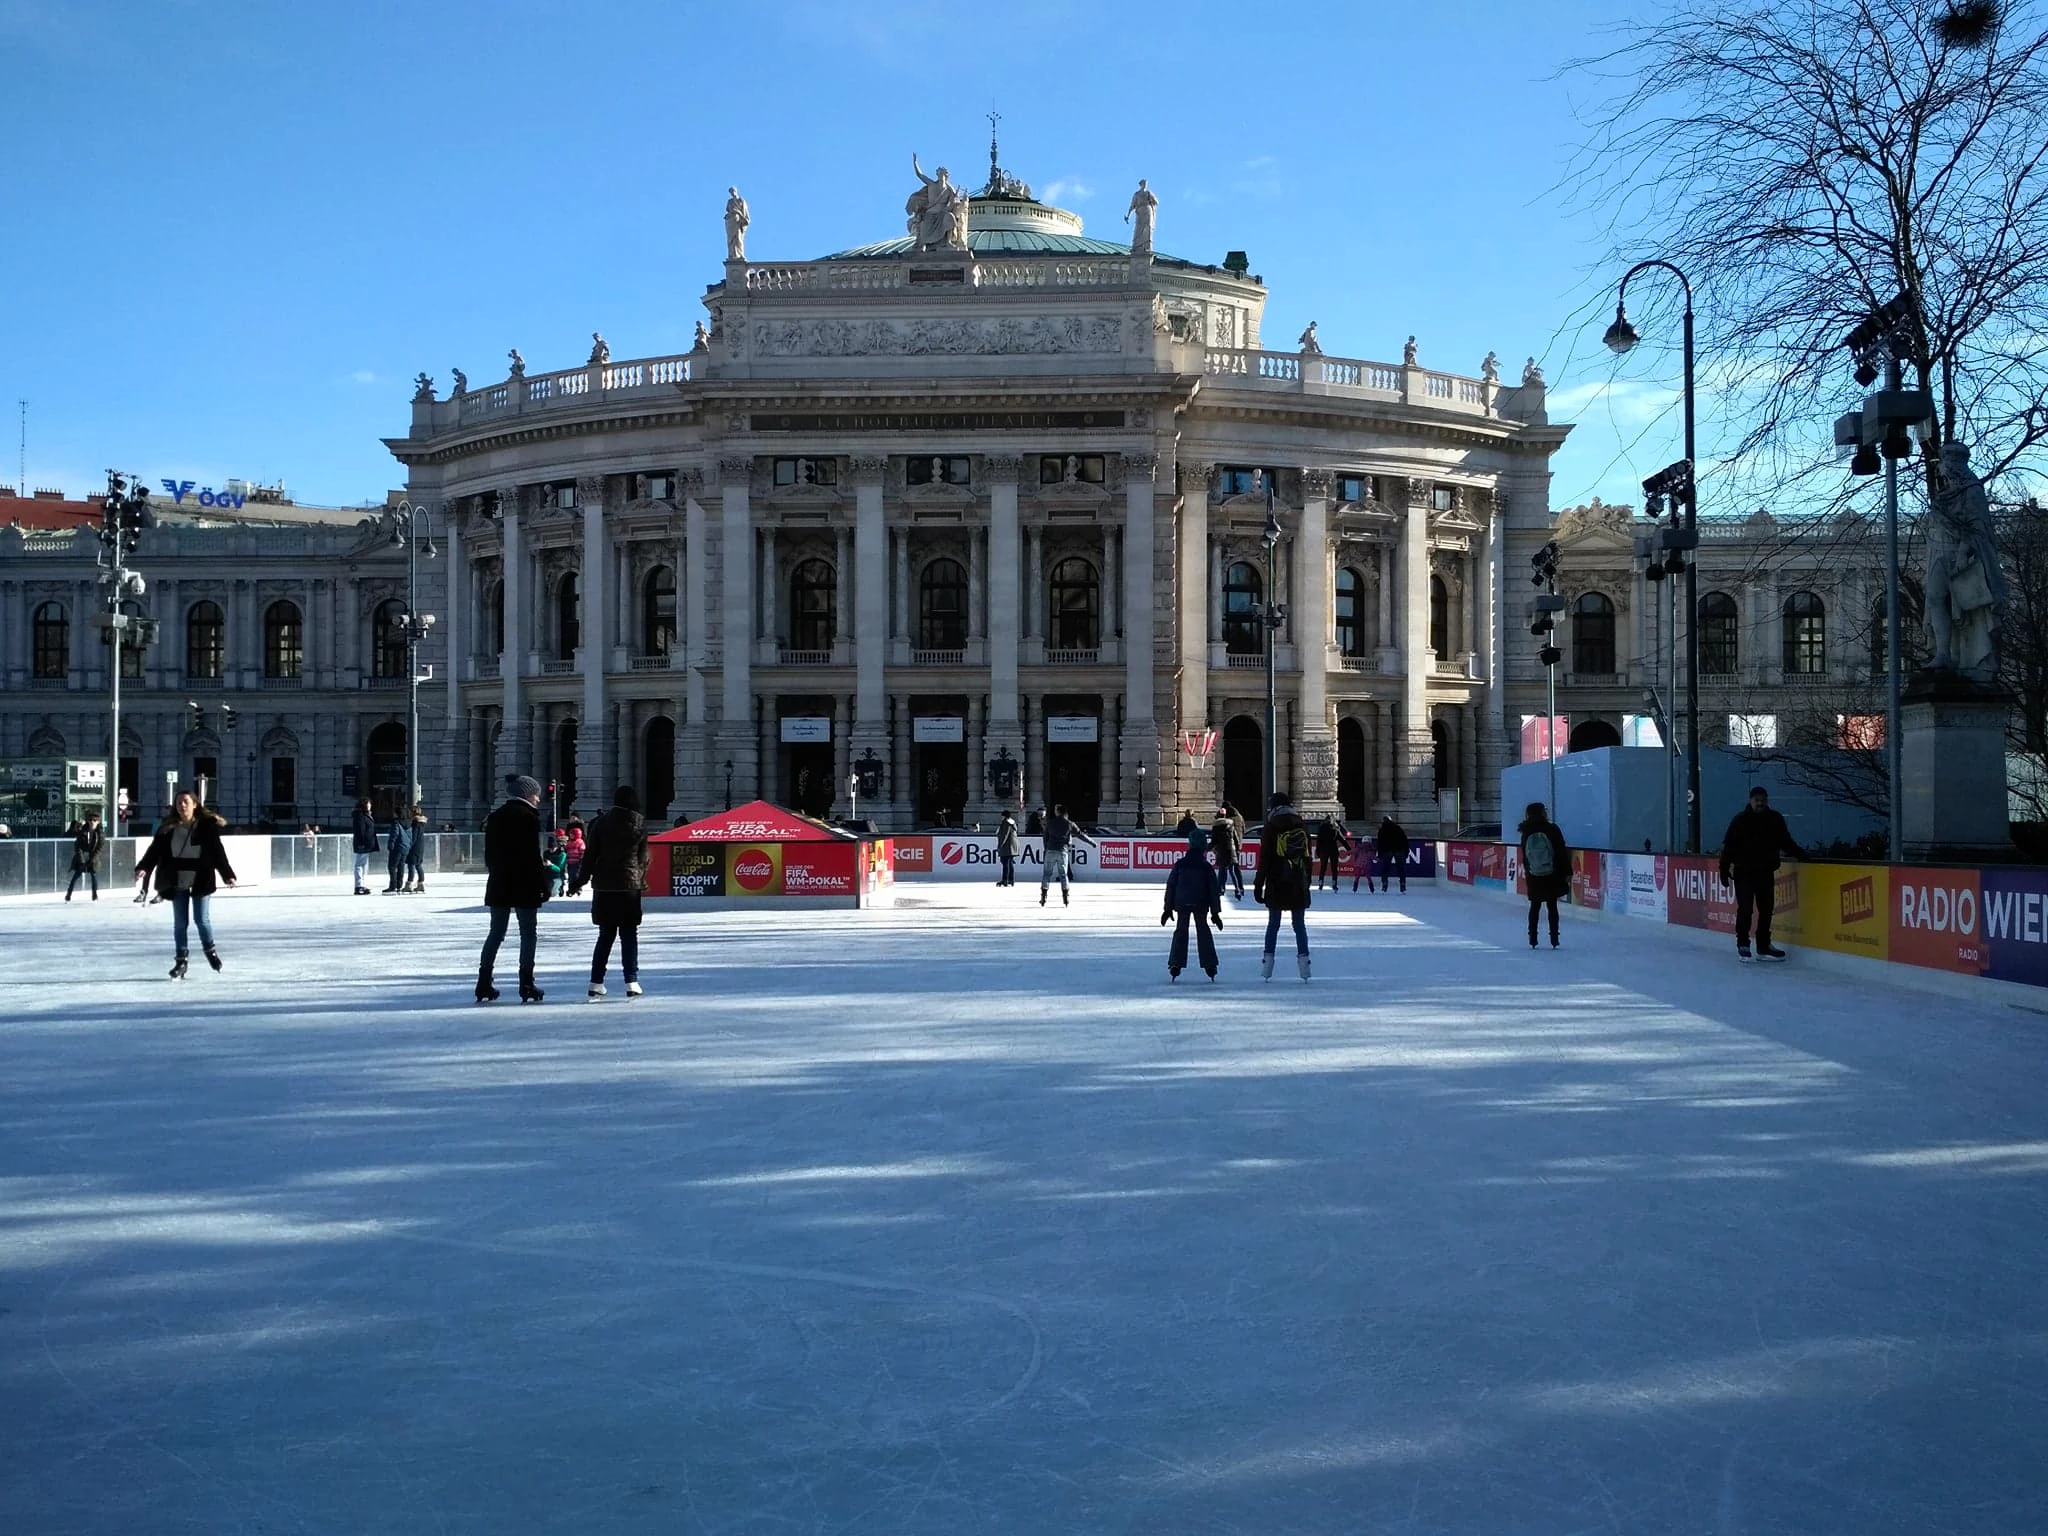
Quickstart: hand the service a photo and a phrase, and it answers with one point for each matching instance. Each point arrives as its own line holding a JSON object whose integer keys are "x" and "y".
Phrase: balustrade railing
{"x": 557, "y": 666}
{"x": 650, "y": 664}
{"x": 1074, "y": 656}
{"x": 1282, "y": 370}
{"x": 542, "y": 390}
{"x": 922, "y": 658}
{"x": 792, "y": 657}
{"x": 1241, "y": 661}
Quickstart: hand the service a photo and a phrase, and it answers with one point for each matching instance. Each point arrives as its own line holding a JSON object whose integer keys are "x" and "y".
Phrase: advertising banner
{"x": 1697, "y": 896}
{"x": 1937, "y": 919}
{"x": 821, "y": 869}
{"x": 913, "y": 855}
{"x": 1644, "y": 887}
{"x": 806, "y": 729}
{"x": 1519, "y": 885}
{"x": 2014, "y": 918}
{"x": 938, "y": 728}
{"x": 1841, "y": 907}
{"x": 972, "y": 856}
{"x": 755, "y": 869}
{"x": 1588, "y": 871}
{"x": 695, "y": 869}
{"x": 1461, "y": 862}
{"x": 1493, "y": 866}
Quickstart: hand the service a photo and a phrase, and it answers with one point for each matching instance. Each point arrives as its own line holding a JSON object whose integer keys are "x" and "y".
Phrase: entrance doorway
{"x": 1244, "y": 766}
{"x": 1351, "y": 768}
{"x": 807, "y": 777}
{"x": 941, "y": 770}
{"x": 386, "y": 755}
{"x": 658, "y": 767}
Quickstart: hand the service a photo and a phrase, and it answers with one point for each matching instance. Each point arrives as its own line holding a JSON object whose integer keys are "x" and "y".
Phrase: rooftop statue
{"x": 1408, "y": 354}
{"x": 1144, "y": 208}
{"x": 600, "y": 349}
{"x": 1489, "y": 368}
{"x": 937, "y": 212}
{"x": 518, "y": 364}
{"x": 1310, "y": 346}
{"x": 736, "y": 221}
{"x": 423, "y": 389}
{"x": 702, "y": 342}
{"x": 461, "y": 382}
{"x": 1532, "y": 375}
{"x": 1965, "y": 580}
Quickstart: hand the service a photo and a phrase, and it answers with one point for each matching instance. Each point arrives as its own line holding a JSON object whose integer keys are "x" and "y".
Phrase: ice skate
{"x": 1266, "y": 965}
{"x": 1041, "y": 895}
{"x": 633, "y": 989}
{"x": 1770, "y": 952}
{"x": 596, "y": 991}
{"x": 1065, "y": 900}
{"x": 1210, "y": 972}
{"x": 178, "y": 969}
{"x": 485, "y": 992}
{"x": 213, "y": 957}
{"x": 1301, "y": 965}
{"x": 528, "y": 992}
{"x": 1742, "y": 952}
{"x": 1173, "y": 973}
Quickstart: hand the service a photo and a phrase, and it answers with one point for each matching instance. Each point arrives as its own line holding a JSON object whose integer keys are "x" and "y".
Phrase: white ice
{"x": 959, "y": 1218}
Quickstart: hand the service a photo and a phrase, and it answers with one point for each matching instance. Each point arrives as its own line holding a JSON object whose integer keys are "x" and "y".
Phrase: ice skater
{"x": 416, "y": 855}
{"x": 86, "y": 842}
{"x": 1193, "y": 890}
{"x": 1330, "y": 845}
{"x": 364, "y": 826}
{"x": 1059, "y": 851}
{"x": 1226, "y": 840}
{"x": 187, "y": 858}
{"x": 1281, "y": 882}
{"x": 1006, "y": 848}
{"x": 518, "y": 884}
{"x": 614, "y": 866}
{"x": 1749, "y": 860}
{"x": 1546, "y": 866}
{"x": 1389, "y": 855}
{"x": 400, "y": 851}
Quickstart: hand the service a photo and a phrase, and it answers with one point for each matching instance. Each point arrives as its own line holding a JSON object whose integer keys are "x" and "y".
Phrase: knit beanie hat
{"x": 1198, "y": 841}
{"x": 523, "y": 786}
{"x": 626, "y": 798}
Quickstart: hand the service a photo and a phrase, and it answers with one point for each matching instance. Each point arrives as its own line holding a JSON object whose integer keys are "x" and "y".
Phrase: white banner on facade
{"x": 938, "y": 728}
{"x": 806, "y": 728}
{"x": 1059, "y": 728}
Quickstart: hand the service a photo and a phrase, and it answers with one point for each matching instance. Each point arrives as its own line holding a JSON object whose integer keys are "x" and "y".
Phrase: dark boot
{"x": 213, "y": 957}
{"x": 485, "y": 992}
{"x": 528, "y": 992}
{"x": 178, "y": 967}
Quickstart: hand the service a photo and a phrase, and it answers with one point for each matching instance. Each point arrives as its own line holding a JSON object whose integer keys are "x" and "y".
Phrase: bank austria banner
{"x": 972, "y": 856}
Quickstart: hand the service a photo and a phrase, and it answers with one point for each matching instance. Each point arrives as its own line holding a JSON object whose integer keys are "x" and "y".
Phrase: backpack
{"x": 1292, "y": 848}
{"x": 1539, "y": 854}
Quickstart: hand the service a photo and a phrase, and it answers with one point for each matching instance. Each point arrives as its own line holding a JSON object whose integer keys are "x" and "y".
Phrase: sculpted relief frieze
{"x": 917, "y": 338}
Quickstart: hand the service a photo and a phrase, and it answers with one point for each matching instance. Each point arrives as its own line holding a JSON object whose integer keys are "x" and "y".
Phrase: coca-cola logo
{"x": 754, "y": 870}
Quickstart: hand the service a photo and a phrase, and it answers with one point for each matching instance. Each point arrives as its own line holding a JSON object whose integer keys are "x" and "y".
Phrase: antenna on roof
{"x": 22, "y": 467}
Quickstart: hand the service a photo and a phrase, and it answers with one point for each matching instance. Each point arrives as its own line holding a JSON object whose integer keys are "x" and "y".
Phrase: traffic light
{"x": 195, "y": 717}
{"x": 227, "y": 717}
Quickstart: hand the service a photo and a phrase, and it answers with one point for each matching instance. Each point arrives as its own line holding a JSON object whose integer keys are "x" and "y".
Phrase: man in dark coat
{"x": 1226, "y": 842}
{"x": 364, "y": 826}
{"x": 1750, "y": 857}
{"x": 1546, "y": 866}
{"x": 1390, "y": 853}
{"x": 1281, "y": 882}
{"x": 401, "y": 849}
{"x": 86, "y": 842}
{"x": 1007, "y": 844}
{"x": 614, "y": 866}
{"x": 518, "y": 883}
{"x": 1193, "y": 890}
{"x": 1330, "y": 845}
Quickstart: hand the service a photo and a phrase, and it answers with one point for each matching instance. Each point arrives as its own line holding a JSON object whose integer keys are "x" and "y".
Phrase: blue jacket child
{"x": 1193, "y": 890}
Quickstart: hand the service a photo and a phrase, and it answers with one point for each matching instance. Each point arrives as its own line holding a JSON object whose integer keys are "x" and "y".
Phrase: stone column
{"x": 1383, "y": 618}
{"x": 842, "y": 596}
{"x": 1219, "y": 579}
{"x": 1468, "y": 759}
{"x": 903, "y": 636}
{"x": 693, "y": 742}
{"x": 1034, "y": 572}
{"x": 974, "y": 583}
{"x": 595, "y": 775}
{"x": 871, "y": 611}
{"x": 1140, "y": 735}
{"x": 1415, "y": 774}
{"x": 902, "y": 789}
{"x": 1316, "y": 782}
{"x": 971, "y": 808}
{"x": 1489, "y": 577}
{"x": 735, "y": 737}
{"x": 515, "y": 741}
{"x": 769, "y": 631}
{"x": 1005, "y": 731}
{"x": 1193, "y": 620}
{"x": 455, "y": 779}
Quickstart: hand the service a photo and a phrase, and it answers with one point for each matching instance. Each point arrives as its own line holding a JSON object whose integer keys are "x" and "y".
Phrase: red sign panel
{"x": 819, "y": 869}
{"x": 1700, "y": 898}
{"x": 1587, "y": 868}
{"x": 913, "y": 855}
{"x": 1937, "y": 919}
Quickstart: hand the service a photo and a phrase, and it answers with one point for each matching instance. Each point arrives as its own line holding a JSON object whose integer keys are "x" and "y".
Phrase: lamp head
{"x": 1621, "y": 336}
{"x": 1866, "y": 461}
{"x": 429, "y": 548}
{"x": 397, "y": 539}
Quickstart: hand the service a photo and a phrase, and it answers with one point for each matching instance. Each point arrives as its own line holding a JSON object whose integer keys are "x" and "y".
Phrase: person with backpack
{"x": 1227, "y": 842}
{"x": 364, "y": 827}
{"x": 614, "y": 866}
{"x": 1330, "y": 845}
{"x": 1546, "y": 866}
{"x": 1390, "y": 855}
{"x": 1749, "y": 861}
{"x": 1281, "y": 882}
{"x": 1006, "y": 848}
{"x": 1193, "y": 890}
{"x": 86, "y": 842}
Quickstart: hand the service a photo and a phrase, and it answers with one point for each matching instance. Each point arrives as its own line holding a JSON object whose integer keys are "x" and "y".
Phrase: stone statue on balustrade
{"x": 1489, "y": 368}
{"x": 1965, "y": 578}
{"x": 1310, "y": 345}
{"x": 518, "y": 364}
{"x": 423, "y": 389}
{"x": 1408, "y": 354}
{"x": 600, "y": 350}
{"x": 702, "y": 342}
{"x": 1140, "y": 215}
{"x": 461, "y": 386}
{"x": 736, "y": 221}
{"x": 937, "y": 212}
{"x": 1532, "y": 375}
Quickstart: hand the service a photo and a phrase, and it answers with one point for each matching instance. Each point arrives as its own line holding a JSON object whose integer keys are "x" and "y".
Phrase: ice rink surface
{"x": 957, "y": 1218}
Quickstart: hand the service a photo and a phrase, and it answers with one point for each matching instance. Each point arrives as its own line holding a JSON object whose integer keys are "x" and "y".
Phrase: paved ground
{"x": 958, "y": 1218}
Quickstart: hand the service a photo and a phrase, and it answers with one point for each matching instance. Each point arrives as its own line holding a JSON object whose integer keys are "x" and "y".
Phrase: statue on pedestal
{"x": 461, "y": 383}
{"x": 702, "y": 342}
{"x": 1408, "y": 354}
{"x": 518, "y": 364}
{"x": 1965, "y": 579}
{"x": 1489, "y": 368}
{"x": 937, "y": 212}
{"x": 600, "y": 350}
{"x": 1532, "y": 375}
{"x": 1144, "y": 208}
{"x": 736, "y": 221}
{"x": 422, "y": 389}
{"x": 1310, "y": 345}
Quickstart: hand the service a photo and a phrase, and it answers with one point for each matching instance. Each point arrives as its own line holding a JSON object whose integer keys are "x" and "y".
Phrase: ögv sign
{"x": 207, "y": 496}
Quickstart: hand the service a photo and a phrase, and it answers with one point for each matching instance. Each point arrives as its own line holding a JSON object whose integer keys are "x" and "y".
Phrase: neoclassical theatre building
{"x": 985, "y": 498}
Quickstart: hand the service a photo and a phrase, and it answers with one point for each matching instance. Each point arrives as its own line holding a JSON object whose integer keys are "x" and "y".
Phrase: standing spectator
{"x": 186, "y": 855}
{"x": 1006, "y": 848}
{"x": 1546, "y": 866}
{"x": 401, "y": 850}
{"x": 558, "y": 864}
{"x": 1281, "y": 882}
{"x": 1390, "y": 854}
{"x": 1749, "y": 858}
{"x": 1186, "y": 824}
{"x": 517, "y": 883}
{"x": 1193, "y": 890}
{"x": 364, "y": 826}
{"x": 1226, "y": 839}
{"x": 1034, "y": 824}
{"x": 416, "y": 855}
{"x": 614, "y": 866}
{"x": 86, "y": 842}
{"x": 1330, "y": 845}
{"x": 575, "y": 842}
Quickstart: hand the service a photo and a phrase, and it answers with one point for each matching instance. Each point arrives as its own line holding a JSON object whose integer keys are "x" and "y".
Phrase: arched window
{"x": 658, "y": 770}
{"x": 1593, "y": 634}
{"x": 1076, "y": 606}
{"x": 494, "y": 616}
{"x": 1243, "y": 633}
{"x": 1806, "y": 636}
{"x": 284, "y": 640}
{"x": 942, "y": 606}
{"x": 658, "y": 612}
{"x": 52, "y": 641}
{"x": 1910, "y": 612}
{"x": 205, "y": 640}
{"x": 1719, "y": 626}
{"x": 813, "y": 606}
{"x": 387, "y": 639}
{"x": 568, "y": 617}
{"x": 1350, "y": 612}
{"x": 1439, "y": 617}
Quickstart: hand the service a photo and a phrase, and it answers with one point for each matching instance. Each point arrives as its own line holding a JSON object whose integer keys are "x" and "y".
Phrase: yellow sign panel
{"x": 1845, "y": 907}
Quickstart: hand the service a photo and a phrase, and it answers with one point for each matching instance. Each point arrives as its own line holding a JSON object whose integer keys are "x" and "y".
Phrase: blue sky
{"x": 240, "y": 229}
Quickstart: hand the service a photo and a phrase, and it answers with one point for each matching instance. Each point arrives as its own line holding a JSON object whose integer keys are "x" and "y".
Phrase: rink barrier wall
{"x": 972, "y": 856}
{"x": 1960, "y": 931}
{"x": 41, "y": 866}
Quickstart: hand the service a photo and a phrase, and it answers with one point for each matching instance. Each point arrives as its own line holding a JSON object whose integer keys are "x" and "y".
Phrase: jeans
{"x": 500, "y": 918}
{"x": 1326, "y": 869}
{"x": 92, "y": 874}
{"x": 1009, "y": 874}
{"x": 1205, "y": 943}
{"x": 362, "y": 869}
{"x": 1055, "y": 869}
{"x": 1760, "y": 894}
{"x": 1300, "y": 928}
{"x": 184, "y": 906}
{"x": 1389, "y": 868}
{"x": 416, "y": 863}
{"x": 396, "y": 866}
{"x": 629, "y": 951}
{"x": 1229, "y": 869}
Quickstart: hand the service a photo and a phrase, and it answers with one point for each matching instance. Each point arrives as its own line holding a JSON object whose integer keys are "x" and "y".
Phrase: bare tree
{"x": 1806, "y": 161}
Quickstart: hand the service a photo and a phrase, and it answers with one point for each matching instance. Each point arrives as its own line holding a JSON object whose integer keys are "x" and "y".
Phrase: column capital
{"x": 693, "y": 482}
{"x": 870, "y": 466}
{"x": 1196, "y": 474}
{"x": 1141, "y": 466}
{"x": 1315, "y": 483}
{"x": 1418, "y": 490}
{"x": 1003, "y": 466}
{"x": 589, "y": 490}
{"x": 736, "y": 467}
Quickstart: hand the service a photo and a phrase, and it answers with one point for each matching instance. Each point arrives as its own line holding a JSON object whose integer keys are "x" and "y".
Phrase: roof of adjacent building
{"x": 46, "y": 510}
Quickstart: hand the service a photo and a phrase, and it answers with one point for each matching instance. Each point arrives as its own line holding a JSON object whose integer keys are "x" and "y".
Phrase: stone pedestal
{"x": 1315, "y": 789}
{"x": 1952, "y": 742}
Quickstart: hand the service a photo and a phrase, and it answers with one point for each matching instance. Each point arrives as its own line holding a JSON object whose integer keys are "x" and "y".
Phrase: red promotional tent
{"x": 759, "y": 853}
{"x": 755, "y": 822}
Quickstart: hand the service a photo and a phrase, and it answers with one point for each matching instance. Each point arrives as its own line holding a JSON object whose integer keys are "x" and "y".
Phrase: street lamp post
{"x": 409, "y": 530}
{"x": 1271, "y": 615}
{"x": 728, "y": 783}
{"x": 1141, "y": 797}
{"x": 1620, "y": 337}
{"x": 1548, "y": 605}
{"x": 126, "y": 516}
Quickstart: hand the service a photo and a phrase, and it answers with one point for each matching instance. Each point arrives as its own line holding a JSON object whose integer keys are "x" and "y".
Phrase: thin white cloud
{"x": 1625, "y": 402}
{"x": 364, "y": 376}
{"x": 1065, "y": 189}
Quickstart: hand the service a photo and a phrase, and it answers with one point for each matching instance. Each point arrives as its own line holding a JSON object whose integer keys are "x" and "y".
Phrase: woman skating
{"x": 614, "y": 866}
{"x": 185, "y": 856}
{"x": 86, "y": 843}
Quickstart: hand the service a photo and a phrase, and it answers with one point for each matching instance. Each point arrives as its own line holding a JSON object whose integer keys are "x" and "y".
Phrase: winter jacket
{"x": 1391, "y": 842}
{"x": 1059, "y": 832}
{"x": 615, "y": 852}
{"x": 1224, "y": 840}
{"x": 518, "y": 876}
{"x": 1192, "y": 886}
{"x": 401, "y": 839}
{"x": 204, "y": 857}
{"x": 1559, "y": 881}
{"x": 366, "y": 832}
{"x": 1283, "y": 876}
{"x": 1186, "y": 824}
{"x": 1330, "y": 839}
{"x": 1751, "y": 846}
{"x": 85, "y": 849}
{"x": 1006, "y": 838}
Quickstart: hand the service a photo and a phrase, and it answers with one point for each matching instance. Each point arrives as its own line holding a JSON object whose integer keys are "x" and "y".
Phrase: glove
{"x": 1165, "y": 918}
{"x": 1216, "y": 918}
{"x": 1727, "y": 877}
